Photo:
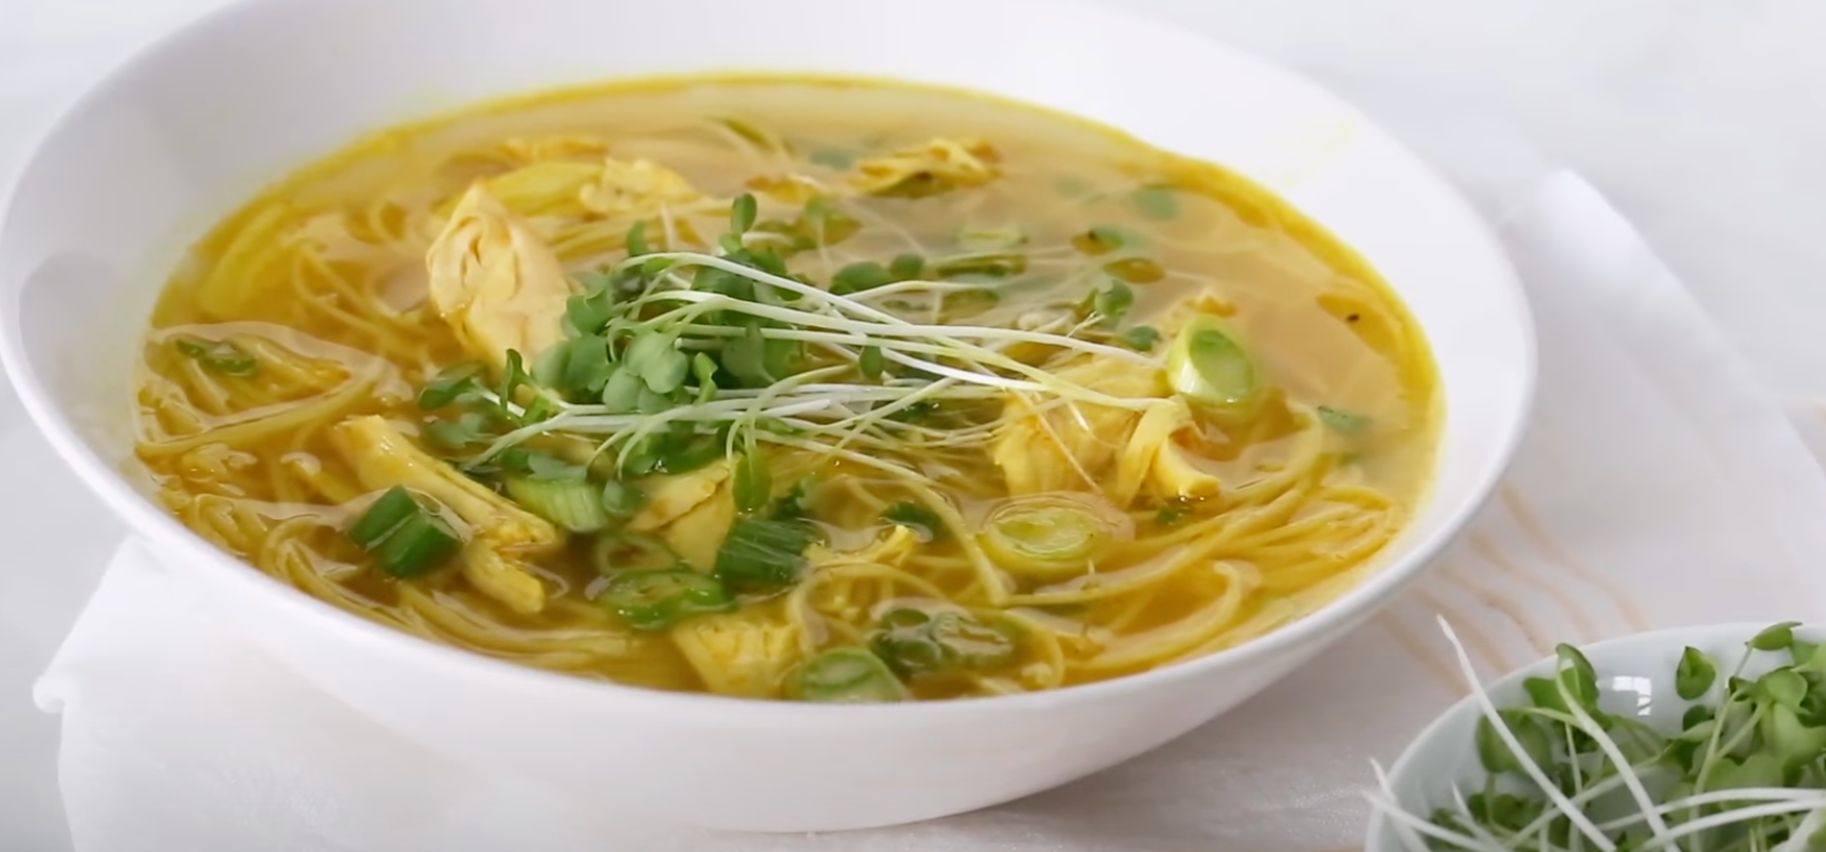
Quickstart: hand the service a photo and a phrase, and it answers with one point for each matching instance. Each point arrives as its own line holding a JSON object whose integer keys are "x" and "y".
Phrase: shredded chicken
{"x": 496, "y": 282}
{"x": 1151, "y": 456}
{"x": 937, "y": 166}
{"x": 1062, "y": 447}
{"x": 503, "y": 533}
{"x": 636, "y": 188}
{"x": 744, "y": 653}
{"x": 698, "y": 534}
{"x": 670, "y": 497}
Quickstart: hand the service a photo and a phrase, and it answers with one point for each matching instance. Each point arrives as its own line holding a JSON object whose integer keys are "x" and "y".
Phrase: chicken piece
{"x": 938, "y": 166}
{"x": 503, "y": 533}
{"x": 890, "y": 550}
{"x": 498, "y": 285}
{"x": 698, "y": 535}
{"x": 1151, "y": 456}
{"x": 636, "y": 189}
{"x": 551, "y": 188}
{"x": 1057, "y": 449}
{"x": 670, "y": 497}
{"x": 745, "y": 653}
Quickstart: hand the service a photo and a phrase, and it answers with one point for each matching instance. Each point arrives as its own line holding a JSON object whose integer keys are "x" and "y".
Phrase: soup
{"x": 812, "y": 389}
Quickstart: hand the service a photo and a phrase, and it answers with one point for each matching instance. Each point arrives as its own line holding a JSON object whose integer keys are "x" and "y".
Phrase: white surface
{"x": 1635, "y": 678}
{"x": 1701, "y": 119}
{"x": 1632, "y": 376}
{"x": 98, "y": 205}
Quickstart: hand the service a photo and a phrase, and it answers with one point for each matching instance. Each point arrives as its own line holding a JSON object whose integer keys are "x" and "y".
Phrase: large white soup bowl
{"x": 189, "y": 129}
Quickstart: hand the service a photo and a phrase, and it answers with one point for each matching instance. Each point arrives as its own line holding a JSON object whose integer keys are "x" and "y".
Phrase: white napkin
{"x": 1660, "y": 485}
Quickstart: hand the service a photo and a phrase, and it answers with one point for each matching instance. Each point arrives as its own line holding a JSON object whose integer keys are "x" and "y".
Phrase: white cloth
{"x": 1659, "y": 485}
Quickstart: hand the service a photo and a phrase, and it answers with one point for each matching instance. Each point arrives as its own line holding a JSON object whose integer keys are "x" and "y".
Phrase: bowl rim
{"x": 145, "y": 520}
{"x": 1704, "y": 636}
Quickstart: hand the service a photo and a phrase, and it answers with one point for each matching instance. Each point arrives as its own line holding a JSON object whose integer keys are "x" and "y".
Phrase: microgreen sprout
{"x": 1746, "y": 769}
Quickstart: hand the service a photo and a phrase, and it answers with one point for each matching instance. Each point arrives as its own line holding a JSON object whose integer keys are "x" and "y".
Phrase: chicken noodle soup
{"x": 826, "y": 390}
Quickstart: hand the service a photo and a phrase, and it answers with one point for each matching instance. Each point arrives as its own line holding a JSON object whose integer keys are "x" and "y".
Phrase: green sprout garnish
{"x": 1745, "y": 769}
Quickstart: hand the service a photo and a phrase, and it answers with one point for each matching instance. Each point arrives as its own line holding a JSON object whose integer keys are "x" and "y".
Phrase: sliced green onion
{"x": 914, "y": 643}
{"x": 621, "y": 500}
{"x": 761, "y": 555}
{"x": 382, "y": 516}
{"x": 406, "y": 539}
{"x": 1207, "y": 366}
{"x": 219, "y": 356}
{"x": 572, "y": 504}
{"x": 420, "y": 543}
{"x": 1052, "y": 536}
{"x": 656, "y": 600}
{"x": 845, "y": 676}
{"x": 917, "y": 517}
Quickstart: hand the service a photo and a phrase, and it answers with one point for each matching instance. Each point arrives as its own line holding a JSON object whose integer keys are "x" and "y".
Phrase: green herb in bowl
{"x": 1701, "y": 739}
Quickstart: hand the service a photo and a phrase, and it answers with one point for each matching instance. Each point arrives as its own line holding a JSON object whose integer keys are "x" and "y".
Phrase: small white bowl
{"x": 1635, "y": 678}
{"x": 191, "y": 128}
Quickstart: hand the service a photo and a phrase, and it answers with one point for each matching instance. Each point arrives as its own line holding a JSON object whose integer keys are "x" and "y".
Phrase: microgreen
{"x": 449, "y": 385}
{"x": 742, "y": 214}
{"x": 1745, "y": 769}
{"x": 1695, "y": 674}
{"x": 1109, "y": 303}
{"x": 636, "y": 241}
{"x": 1141, "y": 338}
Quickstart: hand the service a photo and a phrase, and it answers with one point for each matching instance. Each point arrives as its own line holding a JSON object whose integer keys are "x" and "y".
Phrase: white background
{"x": 1703, "y": 121}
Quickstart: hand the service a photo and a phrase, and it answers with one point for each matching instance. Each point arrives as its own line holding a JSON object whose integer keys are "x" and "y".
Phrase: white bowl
{"x": 1635, "y": 677}
{"x": 189, "y": 129}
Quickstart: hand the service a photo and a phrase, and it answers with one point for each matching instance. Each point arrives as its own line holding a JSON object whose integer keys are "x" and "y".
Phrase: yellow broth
{"x": 321, "y": 284}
